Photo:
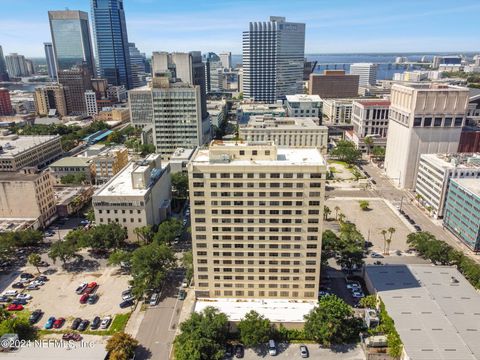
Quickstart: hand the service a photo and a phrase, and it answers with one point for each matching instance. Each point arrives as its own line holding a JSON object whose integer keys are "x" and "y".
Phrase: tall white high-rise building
{"x": 16, "y": 65}
{"x": 366, "y": 71}
{"x": 226, "y": 59}
{"x": 91, "y": 102}
{"x": 423, "y": 119}
{"x": 273, "y": 56}
{"x": 50, "y": 56}
{"x": 257, "y": 220}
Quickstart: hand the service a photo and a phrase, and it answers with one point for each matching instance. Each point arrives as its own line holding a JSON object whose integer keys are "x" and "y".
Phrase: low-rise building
{"x": 462, "y": 211}
{"x": 290, "y": 132}
{"x": 370, "y": 120}
{"x": 305, "y": 106}
{"x": 72, "y": 165}
{"x": 17, "y": 152}
{"x": 137, "y": 196}
{"x": 114, "y": 114}
{"x": 434, "y": 174}
{"x": 71, "y": 199}
{"x": 179, "y": 160}
{"x": 245, "y": 110}
{"x": 109, "y": 162}
{"x": 338, "y": 111}
{"x": 27, "y": 195}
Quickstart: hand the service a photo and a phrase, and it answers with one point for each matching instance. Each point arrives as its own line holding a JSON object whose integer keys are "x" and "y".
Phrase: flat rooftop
{"x": 372, "y": 103}
{"x": 303, "y": 98}
{"x": 182, "y": 154}
{"x": 287, "y": 123}
{"x": 64, "y": 194}
{"x": 261, "y": 107}
{"x": 19, "y": 176}
{"x": 275, "y": 310}
{"x": 436, "y": 311}
{"x": 452, "y": 161}
{"x": 14, "y": 145}
{"x": 472, "y": 185}
{"x": 70, "y": 161}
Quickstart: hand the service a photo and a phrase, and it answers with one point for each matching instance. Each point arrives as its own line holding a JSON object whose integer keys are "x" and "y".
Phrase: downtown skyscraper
{"x": 3, "y": 67}
{"x": 273, "y": 56}
{"x": 50, "y": 56}
{"x": 111, "y": 42}
{"x": 71, "y": 39}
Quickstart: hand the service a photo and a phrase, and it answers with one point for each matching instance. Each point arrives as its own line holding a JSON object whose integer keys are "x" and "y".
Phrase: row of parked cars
{"x": 77, "y": 324}
{"x": 410, "y": 220}
{"x": 87, "y": 292}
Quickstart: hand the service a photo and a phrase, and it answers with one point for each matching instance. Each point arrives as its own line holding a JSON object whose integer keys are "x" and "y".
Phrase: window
{"x": 254, "y": 152}
{"x": 448, "y": 122}
{"x": 427, "y": 121}
{"x": 437, "y": 122}
{"x": 417, "y": 122}
{"x": 458, "y": 121}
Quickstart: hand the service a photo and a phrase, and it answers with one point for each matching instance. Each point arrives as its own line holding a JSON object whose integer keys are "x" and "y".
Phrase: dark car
{"x": 26, "y": 276}
{"x": 411, "y": 221}
{"x": 18, "y": 285}
{"x": 41, "y": 278}
{"x": 75, "y": 323}
{"x": 19, "y": 302}
{"x": 229, "y": 350}
{"x": 43, "y": 264}
{"x": 373, "y": 182}
{"x": 417, "y": 228}
{"x": 126, "y": 303}
{"x": 92, "y": 299}
{"x": 4, "y": 299}
{"x": 95, "y": 323}
{"x": 239, "y": 351}
{"x": 83, "y": 325}
{"x": 35, "y": 316}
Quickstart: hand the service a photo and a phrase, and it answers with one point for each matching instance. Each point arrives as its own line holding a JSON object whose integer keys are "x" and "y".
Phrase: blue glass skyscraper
{"x": 111, "y": 42}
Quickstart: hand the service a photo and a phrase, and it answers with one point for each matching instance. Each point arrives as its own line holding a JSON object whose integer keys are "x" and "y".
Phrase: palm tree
{"x": 341, "y": 217}
{"x": 34, "y": 260}
{"x": 384, "y": 233}
{"x": 337, "y": 209}
{"x": 326, "y": 212}
{"x": 369, "y": 142}
{"x": 391, "y": 231}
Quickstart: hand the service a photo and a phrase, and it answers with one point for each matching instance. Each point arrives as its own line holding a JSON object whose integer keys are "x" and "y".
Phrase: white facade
{"x": 370, "y": 119}
{"x": 91, "y": 103}
{"x": 290, "y": 132}
{"x": 137, "y": 196}
{"x": 226, "y": 59}
{"x": 366, "y": 71}
{"x": 273, "y": 56}
{"x": 423, "y": 119}
{"x": 338, "y": 111}
{"x": 302, "y": 105}
{"x": 435, "y": 172}
{"x": 16, "y": 65}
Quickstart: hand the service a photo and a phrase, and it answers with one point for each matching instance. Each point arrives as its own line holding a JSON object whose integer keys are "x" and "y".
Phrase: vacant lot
{"x": 371, "y": 222}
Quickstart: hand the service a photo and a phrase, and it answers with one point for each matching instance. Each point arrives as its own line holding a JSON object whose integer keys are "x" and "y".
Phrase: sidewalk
{"x": 133, "y": 324}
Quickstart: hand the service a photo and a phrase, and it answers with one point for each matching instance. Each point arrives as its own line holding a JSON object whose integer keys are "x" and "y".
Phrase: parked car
{"x": 182, "y": 294}
{"x": 41, "y": 278}
{"x": 4, "y": 299}
{"x": 81, "y": 288}
{"x": 19, "y": 302}
{"x": 229, "y": 350}
{"x": 91, "y": 287}
{"x": 75, "y": 323}
{"x": 378, "y": 262}
{"x": 105, "y": 322}
{"x": 35, "y": 316}
{"x": 37, "y": 283}
{"x": 15, "y": 307}
{"x": 83, "y": 299}
{"x": 58, "y": 323}
{"x": 376, "y": 255}
{"x": 50, "y": 322}
{"x": 72, "y": 336}
{"x": 95, "y": 323}
{"x": 18, "y": 285}
{"x": 357, "y": 294}
{"x": 272, "y": 347}
{"x": 411, "y": 221}
{"x": 92, "y": 299}
{"x": 417, "y": 228}
{"x": 10, "y": 293}
{"x": 303, "y": 351}
{"x": 126, "y": 303}
{"x": 126, "y": 294}
{"x": 154, "y": 299}
{"x": 43, "y": 264}
{"x": 26, "y": 276}
{"x": 353, "y": 285}
{"x": 83, "y": 325}
{"x": 32, "y": 287}
{"x": 239, "y": 351}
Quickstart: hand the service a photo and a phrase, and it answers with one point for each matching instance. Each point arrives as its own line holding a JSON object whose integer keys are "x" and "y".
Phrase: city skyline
{"x": 349, "y": 27}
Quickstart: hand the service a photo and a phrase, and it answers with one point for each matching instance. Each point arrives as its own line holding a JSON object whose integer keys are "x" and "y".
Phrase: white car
{"x": 37, "y": 283}
{"x": 353, "y": 286}
{"x": 358, "y": 294}
{"x": 376, "y": 255}
{"x": 106, "y": 322}
{"x": 24, "y": 296}
{"x": 10, "y": 293}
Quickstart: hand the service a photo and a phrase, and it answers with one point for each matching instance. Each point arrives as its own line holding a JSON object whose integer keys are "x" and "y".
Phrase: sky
{"x": 333, "y": 26}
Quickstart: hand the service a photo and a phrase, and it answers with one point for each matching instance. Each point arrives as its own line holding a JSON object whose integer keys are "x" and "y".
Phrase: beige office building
{"x": 108, "y": 163}
{"x": 290, "y": 132}
{"x": 27, "y": 195}
{"x": 50, "y": 100}
{"x": 137, "y": 196}
{"x": 338, "y": 111}
{"x": 423, "y": 119}
{"x": 257, "y": 220}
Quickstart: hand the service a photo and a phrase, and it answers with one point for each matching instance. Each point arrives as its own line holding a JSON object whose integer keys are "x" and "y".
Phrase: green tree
{"x": 119, "y": 256}
{"x": 364, "y": 205}
{"x": 73, "y": 179}
{"x": 35, "y": 260}
{"x": 337, "y": 209}
{"x": 329, "y": 245}
{"x": 20, "y": 326}
{"x": 90, "y": 216}
{"x": 105, "y": 237}
{"x": 369, "y": 301}
{"x": 254, "y": 329}
{"x": 168, "y": 231}
{"x": 187, "y": 262}
{"x": 384, "y": 234}
{"x": 121, "y": 346}
{"x": 180, "y": 185}
{"x": 378, "y": 152}
{"x": 63, "y": 250}
{"x": 330, "y": 322}
{"x": 202, "y": 336}
{"x": 146, "y": 149}
{"x": 346, "y": 151}
{"x": 149, "y": 267}
{"x": 145, "y": 233}
{"x": 326, "y": 212}
{"x": 391, "y": 231}
{"x": 369, "y": 143}
{"x": 115, "y": 137}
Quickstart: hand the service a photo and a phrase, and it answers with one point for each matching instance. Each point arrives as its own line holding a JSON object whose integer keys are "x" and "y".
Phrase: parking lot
{"x": 57, "y": 297}
{"x": 370, "y": 223}
{"x": 292, "y": 351}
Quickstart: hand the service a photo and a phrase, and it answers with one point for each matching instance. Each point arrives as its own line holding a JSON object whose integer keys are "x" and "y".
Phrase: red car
{"x": 15, "y": 307}
{"x": 90, "y": 288}
{"x": 58, "y": 323}
{"x": 84, "y": 298}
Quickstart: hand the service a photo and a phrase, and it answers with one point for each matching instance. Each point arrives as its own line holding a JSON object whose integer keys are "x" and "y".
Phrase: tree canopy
{"x": 202, "y": 336}
{"x": 167, "y": 231}
{"x": 254, "y": 329}
{"x": 121, "y": 346}
{"x": 180, "y": 185}
{"x": 346, "y": 151}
